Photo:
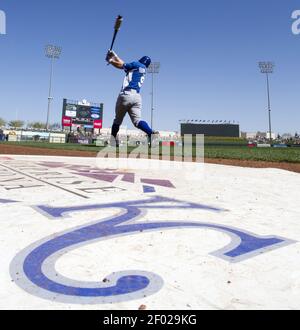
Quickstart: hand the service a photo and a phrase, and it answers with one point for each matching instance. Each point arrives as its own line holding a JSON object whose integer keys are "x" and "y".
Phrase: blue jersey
{"x": 135, "y": 76}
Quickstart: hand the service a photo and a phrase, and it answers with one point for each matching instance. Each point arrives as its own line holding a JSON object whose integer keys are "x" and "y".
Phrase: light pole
{"x": 52, "y": 52}
{"x": 267, "y": 68}
{"x": 153, "y": 69}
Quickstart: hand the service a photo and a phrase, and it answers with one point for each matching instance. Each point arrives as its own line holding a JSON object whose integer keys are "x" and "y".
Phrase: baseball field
{"x": 149, "y": 159}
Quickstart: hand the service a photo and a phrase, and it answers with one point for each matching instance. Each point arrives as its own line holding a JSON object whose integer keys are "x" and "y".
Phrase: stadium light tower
{"x": 52, "y": 52}
{"x": 267, "y": 68}
{"x": 153, "y": 69}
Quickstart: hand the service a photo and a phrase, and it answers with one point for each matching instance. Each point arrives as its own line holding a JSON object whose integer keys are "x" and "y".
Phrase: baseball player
{"x": 130, "y": 100}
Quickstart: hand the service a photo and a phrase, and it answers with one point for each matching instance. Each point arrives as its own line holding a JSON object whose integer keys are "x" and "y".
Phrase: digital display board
{"x": 82, "y": 114}
{"x": 221, "y": 130}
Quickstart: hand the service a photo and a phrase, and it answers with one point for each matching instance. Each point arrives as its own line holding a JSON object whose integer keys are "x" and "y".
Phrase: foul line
{"x": 46, "y": 182}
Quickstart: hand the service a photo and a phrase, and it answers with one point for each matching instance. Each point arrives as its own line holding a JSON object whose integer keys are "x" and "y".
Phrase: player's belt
{"x": 131, "y": 90}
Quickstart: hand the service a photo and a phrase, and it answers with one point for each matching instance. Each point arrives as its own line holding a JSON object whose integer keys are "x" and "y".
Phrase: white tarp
{"x": 78, "y": 236}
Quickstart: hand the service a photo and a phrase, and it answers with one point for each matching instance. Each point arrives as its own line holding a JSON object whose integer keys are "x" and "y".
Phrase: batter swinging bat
{"x": 118, "y": 24}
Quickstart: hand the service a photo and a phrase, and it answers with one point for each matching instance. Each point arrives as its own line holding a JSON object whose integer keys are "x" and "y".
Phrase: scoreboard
{"x": 81, "y": 114}
{"x": 220, "y": 130}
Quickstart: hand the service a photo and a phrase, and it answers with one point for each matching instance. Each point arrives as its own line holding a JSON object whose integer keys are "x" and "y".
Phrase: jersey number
{"x": 142, "y": 81}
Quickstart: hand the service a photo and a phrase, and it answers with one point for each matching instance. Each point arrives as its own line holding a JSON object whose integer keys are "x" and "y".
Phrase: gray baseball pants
{"x": 129, "y": 102}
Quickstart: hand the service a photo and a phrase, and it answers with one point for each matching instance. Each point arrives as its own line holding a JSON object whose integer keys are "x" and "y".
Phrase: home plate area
{"x": 77, "y": 234}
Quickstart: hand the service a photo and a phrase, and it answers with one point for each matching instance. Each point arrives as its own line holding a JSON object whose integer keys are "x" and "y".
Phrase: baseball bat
{"x": 118, "y": 24}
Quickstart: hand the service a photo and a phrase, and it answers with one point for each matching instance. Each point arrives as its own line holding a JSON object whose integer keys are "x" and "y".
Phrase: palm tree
{"x": 2, "y": 122}
{"x": 37, "y": 125}
{"x": 16, "y": 123}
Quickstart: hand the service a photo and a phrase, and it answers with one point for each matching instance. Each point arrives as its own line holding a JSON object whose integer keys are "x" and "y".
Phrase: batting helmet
{"x": 146, "y": 60}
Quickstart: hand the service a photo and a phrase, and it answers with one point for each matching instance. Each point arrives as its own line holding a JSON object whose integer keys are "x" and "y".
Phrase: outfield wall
{"x": 18, "y": 136}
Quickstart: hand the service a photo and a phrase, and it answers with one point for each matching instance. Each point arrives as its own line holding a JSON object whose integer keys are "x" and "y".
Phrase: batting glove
{"x": 110, "y": 56}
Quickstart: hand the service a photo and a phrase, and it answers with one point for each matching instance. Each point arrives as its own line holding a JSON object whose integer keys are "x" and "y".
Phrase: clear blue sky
{"x": 208, "y": 51}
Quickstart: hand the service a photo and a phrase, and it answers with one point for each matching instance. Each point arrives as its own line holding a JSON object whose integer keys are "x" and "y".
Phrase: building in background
{"x": 258, "y": 135}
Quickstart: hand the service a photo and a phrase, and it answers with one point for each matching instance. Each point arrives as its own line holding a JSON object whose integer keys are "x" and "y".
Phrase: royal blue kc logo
{"x": 33, "y": 269}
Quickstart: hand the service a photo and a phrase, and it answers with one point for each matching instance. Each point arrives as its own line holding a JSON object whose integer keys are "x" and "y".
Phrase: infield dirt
{"x": 21, "y": 150}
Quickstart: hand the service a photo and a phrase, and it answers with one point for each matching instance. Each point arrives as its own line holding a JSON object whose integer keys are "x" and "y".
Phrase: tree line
{"x": 17, "y": 124}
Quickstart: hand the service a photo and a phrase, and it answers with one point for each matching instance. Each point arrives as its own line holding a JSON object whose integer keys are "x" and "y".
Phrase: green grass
{"x": 220, "y": 141}
{"x": 290, "y": 155}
